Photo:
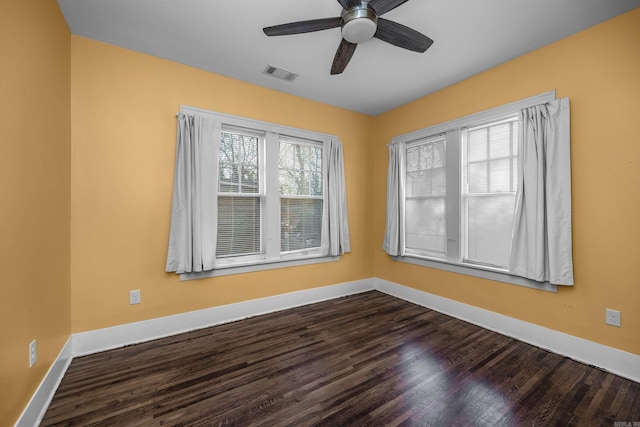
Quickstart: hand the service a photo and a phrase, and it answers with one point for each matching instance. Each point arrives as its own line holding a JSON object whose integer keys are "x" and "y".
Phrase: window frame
{"x": 269, "y": 143}
{"x": 466, "y": 194}
{"x": 453, "y": 134}
{"x": 317, "y": 250}
{"x": 260, "y": 194}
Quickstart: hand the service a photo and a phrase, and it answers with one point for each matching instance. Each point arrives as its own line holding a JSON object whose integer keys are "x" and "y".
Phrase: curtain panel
{"x": 194, "y": 211}
{"x": 393, "y": 243}
{"x": 541, "y": 247}
{"x": 337, "y": 218}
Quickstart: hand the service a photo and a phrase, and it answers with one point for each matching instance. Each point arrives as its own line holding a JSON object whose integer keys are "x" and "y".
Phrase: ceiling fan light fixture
{"x": 359, "y": 24}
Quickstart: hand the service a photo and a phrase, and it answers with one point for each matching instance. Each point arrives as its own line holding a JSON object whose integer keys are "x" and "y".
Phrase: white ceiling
{"x": 225, "y": 37}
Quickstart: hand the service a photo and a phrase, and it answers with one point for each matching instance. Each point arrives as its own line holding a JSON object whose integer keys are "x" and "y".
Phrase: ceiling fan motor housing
{"x": 359, "y": 23}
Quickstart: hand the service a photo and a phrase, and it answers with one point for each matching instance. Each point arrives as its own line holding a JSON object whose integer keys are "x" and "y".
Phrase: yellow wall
{"x": 88, "y": 133}
{"x": 599, "y": 70}
{"x": 123, "y": 153}
{"x": 34, "y": 196}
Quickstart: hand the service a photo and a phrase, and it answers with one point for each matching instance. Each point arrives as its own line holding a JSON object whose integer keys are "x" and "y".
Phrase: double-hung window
{"x": 489, "y": 180}
{"x": 457, "y": 198}
{"x": 425, "y": 197}
{"x": 270, "y": 197}
{"x": 258, "y": 196}
{"x": 247, "y": 183}
{"x": 240, "y": 195}
{"x": 301, "y": 196}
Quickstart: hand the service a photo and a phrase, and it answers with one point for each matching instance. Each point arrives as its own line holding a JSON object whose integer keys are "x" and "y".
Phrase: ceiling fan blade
{"x": 343, "y": 56}
{"x": 383, "y": 6}
{"x": 347, "y": 4}
{"x": 302, "y": 26}
{"x": 402, "y": 36}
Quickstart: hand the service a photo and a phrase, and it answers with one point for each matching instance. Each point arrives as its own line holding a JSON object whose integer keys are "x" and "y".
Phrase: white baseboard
{"x": 132, "y": 333}
{"x": 37, "y": 406}
{"x": 619, "y": 362}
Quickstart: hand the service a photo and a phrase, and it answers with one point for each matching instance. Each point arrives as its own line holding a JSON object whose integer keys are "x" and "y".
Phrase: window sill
{"x": 258, "y": 266}
{"x": 483, "y": 273}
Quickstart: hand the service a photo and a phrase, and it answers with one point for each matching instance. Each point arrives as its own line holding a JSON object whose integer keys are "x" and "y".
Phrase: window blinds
{"x": 489, "y": 189}
{"x": 301, "y": 193}
{"x": 239, "y": 201}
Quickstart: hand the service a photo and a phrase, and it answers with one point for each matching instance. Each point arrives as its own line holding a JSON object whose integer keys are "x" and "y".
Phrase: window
{"x": 490, "y": 172}
{"x": 251, "y": 195}
{"x": 239, "y": 196}
{"x": 457, "y": 192}
{"x": 257, "y": 190}
{"x": 460, "y": 194}
{"x": 301, "y": 197}
{"x": 425, "y": 198}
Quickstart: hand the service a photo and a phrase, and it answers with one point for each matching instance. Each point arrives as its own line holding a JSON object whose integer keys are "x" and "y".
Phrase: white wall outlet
{"x": 33, "y": 356}
{"x": 612, "y": 317}
{"x": 134, "y": 297}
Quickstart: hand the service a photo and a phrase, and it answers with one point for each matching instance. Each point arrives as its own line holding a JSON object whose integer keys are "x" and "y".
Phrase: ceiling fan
{"x": 360, "y": 21}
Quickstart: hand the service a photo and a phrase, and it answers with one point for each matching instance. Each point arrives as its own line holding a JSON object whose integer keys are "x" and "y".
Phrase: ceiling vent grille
{"x": 280, "y": 73}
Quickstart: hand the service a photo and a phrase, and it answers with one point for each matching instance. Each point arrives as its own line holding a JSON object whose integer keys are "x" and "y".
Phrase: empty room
{"x": 320, "y": 213}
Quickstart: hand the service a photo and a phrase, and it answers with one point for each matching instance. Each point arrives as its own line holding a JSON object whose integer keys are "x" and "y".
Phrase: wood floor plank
{"x": 367, "y": 359}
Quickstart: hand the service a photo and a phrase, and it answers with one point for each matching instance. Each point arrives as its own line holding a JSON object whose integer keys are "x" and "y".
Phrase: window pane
{"x": 426, "y": 226}
{"x": 425, "y": 220}
{"x": 489, "y": 193}
{"x": 300, "y": 224}
{"x": 300, "y": 169}
{"x": 500, "y": 137}
{"x": 300, "y": 175}
{"x": 238, "y": 163}
{"x": 489, "y": 221}
{"x": 426, "y": 173}
{"x": 478, "y": 177}
{"x": 238, "y": 226}
{"x": 477, "y": 145}
{"x": 500, "y": 175}
{"x": 228, "y": 182}
{"x": 249, "y": 180}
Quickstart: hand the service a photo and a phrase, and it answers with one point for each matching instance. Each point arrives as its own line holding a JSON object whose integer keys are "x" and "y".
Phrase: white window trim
{"x": 453, "y": 128}
{"x": 268, "y": 131}
{"x": 476, "y": 118}
{"x": 262, "y": 265}
{"x": 477, "y": 271}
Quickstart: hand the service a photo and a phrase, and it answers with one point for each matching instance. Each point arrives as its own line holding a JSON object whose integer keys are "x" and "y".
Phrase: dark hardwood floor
{"x": 363, "y": 360}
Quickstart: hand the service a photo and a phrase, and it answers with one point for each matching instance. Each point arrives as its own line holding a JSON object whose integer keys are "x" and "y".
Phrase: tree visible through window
{"x": 301, "y": 195}
{"x": 239, "y": 204}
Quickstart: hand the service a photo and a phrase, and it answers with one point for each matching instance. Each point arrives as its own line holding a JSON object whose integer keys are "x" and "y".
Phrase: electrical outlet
{"x": 33, "y": 356}
{"x": 612, "y": 317}
{"x": 134, "y": 297}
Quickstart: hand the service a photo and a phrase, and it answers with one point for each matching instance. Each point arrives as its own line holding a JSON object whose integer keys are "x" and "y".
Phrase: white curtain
{"x": 393, "y": 237}
{"x": 337, "y": 219}
{"x": 541, "y": 243}
{"x": 194, "y": 214}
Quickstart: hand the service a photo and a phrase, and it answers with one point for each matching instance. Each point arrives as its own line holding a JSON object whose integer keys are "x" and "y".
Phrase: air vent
{"x": 280, "y": 73}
